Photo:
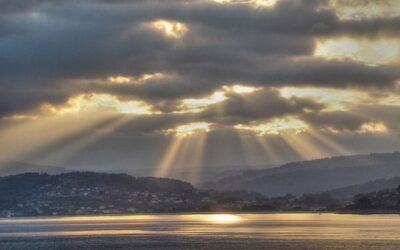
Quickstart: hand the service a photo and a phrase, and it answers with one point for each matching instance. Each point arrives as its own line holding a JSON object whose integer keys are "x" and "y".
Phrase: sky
{"x": 166, "y": 85}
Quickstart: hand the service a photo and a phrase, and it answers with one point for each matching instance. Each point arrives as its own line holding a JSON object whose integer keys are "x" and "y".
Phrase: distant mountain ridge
{"x": 313, "y": 176}
{"x": 16, "y": 167}
{"x": 347, "y": 193}
{"x": 341, "y": 176}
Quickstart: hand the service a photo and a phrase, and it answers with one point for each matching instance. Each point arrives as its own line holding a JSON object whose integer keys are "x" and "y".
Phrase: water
{"x": 204, "y": 231}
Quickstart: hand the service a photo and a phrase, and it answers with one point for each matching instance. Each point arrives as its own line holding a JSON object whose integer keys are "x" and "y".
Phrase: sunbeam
{"x": 253, "y": 153}
{"x": 45, "y": 133}
{"x": 198, "y": 157}
{"x": 74, "y": 145}
{"x": 169, "y": 157}
{"x": 270, "y": 151}
{"x": 338, "y": 149}
{"x": 303, "y": 146}
{"x": 181, "y": 160}
{"x": 183, "y": 157}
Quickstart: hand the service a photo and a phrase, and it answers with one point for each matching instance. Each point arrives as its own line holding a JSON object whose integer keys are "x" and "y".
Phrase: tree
{"x": 363, "y": 203}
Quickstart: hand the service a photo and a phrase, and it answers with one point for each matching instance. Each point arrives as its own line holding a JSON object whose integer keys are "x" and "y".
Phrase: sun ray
{"x": 244, "y": 147}
{"x": 61, "y": 145}
{"x": 44, "y": 133}
{"x": 169, "y": 156}
{"x": 200, "y": 147}
{"x": 306, "y": 149}
{"x": 190, "y": 157}
{"x": 84, "y": 140}
{"x": 253, "y": 152}
{"x": 338, "y": 149}
{"x": 196, "y": 156}
{"x": 185, "y": 149}
{"x": 270, "y": 151}
{"x": 183, "y": 156}
{"x": 180, "y": 161}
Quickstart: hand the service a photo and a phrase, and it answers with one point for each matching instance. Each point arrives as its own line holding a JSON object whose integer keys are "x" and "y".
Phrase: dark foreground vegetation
{"x": 84, "y": 193}
{"x": 387, "y": 200}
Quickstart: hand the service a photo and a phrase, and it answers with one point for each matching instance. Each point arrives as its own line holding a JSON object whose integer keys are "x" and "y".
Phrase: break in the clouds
{"x": 165, "y": 69}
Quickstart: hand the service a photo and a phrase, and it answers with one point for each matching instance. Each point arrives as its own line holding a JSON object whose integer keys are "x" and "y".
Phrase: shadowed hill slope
{"x": 313, "y": 176}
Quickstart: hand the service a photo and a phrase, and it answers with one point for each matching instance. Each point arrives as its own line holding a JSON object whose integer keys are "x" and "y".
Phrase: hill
{"x": 81, "y": 193}
{"x": 313, "y": 176}
{"x": 16, "y": 167}
{"x": 347, "y": 193}
{"x": 86, "y": 193}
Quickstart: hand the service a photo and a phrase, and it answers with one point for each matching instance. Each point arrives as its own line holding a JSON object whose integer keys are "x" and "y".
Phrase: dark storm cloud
{"x": 260, "y": 105}
{"x": 199, "y": 78}
{"x": 373, "y": 27}
{"x": 338, "y": 120}
{"x": 145, "y": 124}
{"x": 12, "y": 102}
{"x": 167, "y": 88}
{"x": 386, "y": 114}
{"x": 353, "y": 119}
{"x": 46, "y": 45}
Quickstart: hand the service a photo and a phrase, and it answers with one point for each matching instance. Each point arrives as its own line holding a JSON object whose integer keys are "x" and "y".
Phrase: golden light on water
{"x": 279, "y": 226}
{"x": 224, "y": 218}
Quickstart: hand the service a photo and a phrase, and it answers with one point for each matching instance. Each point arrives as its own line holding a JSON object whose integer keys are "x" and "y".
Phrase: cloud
{"x": 262, "y": 105}
{"x": 336, "y": 120}
{"x": 386, "y": 114}
{"x": 55, "y": 50}
{"x": 259, "y": 105}
{"x": 357, "y": 118}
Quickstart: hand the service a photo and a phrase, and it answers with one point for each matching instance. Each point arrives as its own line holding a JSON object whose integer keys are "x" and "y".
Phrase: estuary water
{"x": 204, "y": 231}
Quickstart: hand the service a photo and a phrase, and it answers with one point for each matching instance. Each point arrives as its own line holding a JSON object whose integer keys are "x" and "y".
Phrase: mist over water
{"x": 204, "y": 231}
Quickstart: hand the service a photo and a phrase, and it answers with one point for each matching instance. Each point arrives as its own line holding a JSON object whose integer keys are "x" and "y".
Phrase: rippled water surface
{"x": 204, "y": 231}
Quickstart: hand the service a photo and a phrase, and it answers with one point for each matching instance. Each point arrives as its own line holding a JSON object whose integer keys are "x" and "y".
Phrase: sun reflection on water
{"x": 224, "y": 218}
